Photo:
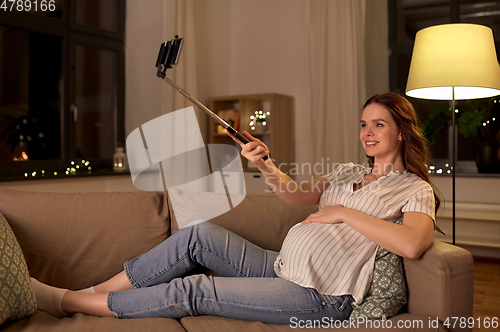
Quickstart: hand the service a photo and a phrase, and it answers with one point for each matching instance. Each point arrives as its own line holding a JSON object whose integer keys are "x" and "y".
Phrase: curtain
{"x": 178, "y": 19}
{"x": 336, "y": 46}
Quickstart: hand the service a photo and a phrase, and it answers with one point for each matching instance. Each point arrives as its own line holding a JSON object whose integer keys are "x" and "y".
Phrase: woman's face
{"x": 379, "y": 133}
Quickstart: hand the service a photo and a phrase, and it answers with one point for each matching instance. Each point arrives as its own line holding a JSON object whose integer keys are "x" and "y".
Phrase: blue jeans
{"x": 247, "y": 288}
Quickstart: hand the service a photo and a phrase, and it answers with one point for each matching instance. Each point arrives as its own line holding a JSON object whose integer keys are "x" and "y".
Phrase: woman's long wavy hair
{"x": 416, "y": 154}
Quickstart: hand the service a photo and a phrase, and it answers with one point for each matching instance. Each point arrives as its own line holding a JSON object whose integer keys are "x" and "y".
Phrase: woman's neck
{"x": 384, "y": 168}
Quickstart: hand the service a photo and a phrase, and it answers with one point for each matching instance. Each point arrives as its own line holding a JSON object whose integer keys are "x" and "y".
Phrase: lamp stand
{"x": 453, "y": 157}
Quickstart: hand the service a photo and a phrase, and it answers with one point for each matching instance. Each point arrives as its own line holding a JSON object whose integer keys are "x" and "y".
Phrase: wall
{"x": 477, "y": 213}
{"x": 243, "y": 47}
{"x": 257, "y": 46}
{"x": 261, "y": 46}
{"x": 377, "y": 47}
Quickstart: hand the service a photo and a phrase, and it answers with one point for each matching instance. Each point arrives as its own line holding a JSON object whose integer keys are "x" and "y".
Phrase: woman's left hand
{"x": 330, "y": 214}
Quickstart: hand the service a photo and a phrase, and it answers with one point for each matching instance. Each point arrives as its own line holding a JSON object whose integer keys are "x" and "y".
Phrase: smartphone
{"x": 168, "y": 55}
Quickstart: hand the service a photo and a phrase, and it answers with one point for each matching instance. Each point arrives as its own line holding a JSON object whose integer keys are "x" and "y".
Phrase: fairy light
{"x": 258, "y": 117}
{"x": 73, "y": 169}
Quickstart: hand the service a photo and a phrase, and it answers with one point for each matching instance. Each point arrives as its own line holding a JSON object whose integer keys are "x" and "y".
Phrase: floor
{"x": 486, "y": 295}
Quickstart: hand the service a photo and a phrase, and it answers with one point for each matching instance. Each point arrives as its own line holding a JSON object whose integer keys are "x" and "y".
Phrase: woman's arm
{"x": 409, "y": 240}
{"x": 303, "y": 193}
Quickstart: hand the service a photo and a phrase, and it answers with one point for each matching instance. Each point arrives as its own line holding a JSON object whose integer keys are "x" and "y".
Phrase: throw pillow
{"x": 17, "y": 297}
{"x": 387, "y": 293}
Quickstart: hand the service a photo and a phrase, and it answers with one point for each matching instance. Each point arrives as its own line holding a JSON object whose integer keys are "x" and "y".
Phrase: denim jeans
{"x": 247, "y": 289}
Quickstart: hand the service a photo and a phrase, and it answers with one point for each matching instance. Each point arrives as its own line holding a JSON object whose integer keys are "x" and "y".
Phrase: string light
{"x": 435, "y": 170}
{"x": 258, "y": 117}
{"x": 73, "y": 169}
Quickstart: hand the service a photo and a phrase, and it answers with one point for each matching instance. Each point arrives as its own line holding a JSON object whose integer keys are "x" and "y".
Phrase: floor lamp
{"x": 453, "y": 62}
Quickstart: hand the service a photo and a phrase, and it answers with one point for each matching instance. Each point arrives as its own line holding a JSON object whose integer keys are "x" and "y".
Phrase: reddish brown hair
{"x": 416, "y": 154}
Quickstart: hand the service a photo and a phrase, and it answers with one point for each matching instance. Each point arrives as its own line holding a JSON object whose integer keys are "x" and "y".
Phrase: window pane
{"x": 95, "y": 102}
{"x": 414, "y": 15}
{"x": 30, "y": 95}
{"x": 100, "y": 14}
{"x": 482, "y": 12}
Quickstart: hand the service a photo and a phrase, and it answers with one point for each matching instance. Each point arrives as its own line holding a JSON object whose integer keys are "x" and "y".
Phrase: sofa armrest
{"x": 440, "y": 283}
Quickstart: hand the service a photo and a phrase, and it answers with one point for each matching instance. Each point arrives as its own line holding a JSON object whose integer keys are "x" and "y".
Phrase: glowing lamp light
{"x": 454, "y": 61}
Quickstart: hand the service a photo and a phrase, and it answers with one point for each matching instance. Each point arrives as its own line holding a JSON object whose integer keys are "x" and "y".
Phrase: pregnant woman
{"x": 325, "y": 265}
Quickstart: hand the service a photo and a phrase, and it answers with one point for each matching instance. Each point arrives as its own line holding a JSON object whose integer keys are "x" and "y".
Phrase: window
{"x": 406, "y": 17}
{"x": 61, "y": 88}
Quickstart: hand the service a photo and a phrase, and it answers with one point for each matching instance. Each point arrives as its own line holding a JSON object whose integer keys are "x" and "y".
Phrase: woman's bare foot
{"x": 119, "y": 282}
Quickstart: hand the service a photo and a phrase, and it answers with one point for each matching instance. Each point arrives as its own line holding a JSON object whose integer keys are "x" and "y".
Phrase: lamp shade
{"x": 462, "y": 56}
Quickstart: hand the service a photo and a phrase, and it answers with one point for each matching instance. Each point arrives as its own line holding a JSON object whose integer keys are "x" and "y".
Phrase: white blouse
{"x": 335, "y": 259}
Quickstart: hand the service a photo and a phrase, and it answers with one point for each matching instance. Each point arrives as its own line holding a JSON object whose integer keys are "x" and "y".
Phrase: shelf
{"x": 280, "y": 137}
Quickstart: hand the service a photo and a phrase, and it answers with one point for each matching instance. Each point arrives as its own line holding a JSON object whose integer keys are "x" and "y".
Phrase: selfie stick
{"x": 168, "y": 56}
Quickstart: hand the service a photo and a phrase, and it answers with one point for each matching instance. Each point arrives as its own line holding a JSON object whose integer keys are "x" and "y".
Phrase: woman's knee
{"x": 207, "y": 228}
{"x": 201, "y": 231}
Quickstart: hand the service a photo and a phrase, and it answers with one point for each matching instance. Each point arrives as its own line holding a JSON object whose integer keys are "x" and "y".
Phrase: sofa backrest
{"x": 263, "y": 219}
{"x": 75, "y": 240}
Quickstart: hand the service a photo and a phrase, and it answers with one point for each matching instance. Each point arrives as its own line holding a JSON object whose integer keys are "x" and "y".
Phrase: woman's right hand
{"x": 304, "y": 193}
{"x": 254, "y": 150}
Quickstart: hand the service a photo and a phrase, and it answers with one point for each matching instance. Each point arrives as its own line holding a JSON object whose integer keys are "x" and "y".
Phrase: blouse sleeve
{"x": 422, "y": 201}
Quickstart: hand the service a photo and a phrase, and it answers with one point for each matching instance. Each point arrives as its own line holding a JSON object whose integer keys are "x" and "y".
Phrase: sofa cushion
{"x": 403, "y": 323}
{"x": 387, "y": 293}
{"x": 267, "y": 219}
{"x": 17, "y": 298}
{"x": 76, "y": 240}
{"x": 43, "y": 322}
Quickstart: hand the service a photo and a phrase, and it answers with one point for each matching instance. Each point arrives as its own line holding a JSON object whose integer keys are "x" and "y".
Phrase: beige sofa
{"x": 78, "y": 240}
